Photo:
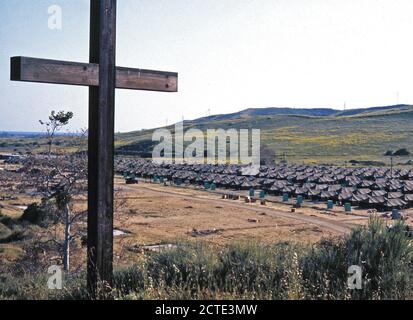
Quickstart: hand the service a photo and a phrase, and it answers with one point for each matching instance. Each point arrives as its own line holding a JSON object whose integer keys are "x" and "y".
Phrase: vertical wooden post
{"x": 101, "y": 145}
{"x": 101, "y": 123}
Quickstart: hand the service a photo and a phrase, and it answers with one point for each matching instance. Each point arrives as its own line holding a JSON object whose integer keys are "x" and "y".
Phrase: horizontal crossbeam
{"x": 87, "y": 74}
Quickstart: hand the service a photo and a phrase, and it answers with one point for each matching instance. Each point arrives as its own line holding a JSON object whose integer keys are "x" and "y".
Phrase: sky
{"x": 230, "y": 55}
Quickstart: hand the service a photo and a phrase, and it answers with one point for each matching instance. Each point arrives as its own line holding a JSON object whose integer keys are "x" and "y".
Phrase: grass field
{"x": 252, "y": 270}
{"x": 37, "y": 144}
{"x": 333, "y": 138}
{"x": 310, "y": 139}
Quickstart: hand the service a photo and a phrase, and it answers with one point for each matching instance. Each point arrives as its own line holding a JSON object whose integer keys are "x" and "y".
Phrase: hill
{"x": 306, "y": 135}
{"x": 315, "y": 112}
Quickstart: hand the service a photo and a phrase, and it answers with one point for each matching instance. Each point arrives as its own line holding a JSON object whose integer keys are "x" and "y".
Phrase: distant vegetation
{"x": 399, "y": 153}
{"x": 293, "y": 135}
{"x": 308, "y": 135}
{"x": 36, "y": 143}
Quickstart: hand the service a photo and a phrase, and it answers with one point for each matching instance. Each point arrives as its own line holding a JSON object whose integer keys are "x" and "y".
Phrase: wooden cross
{"x": 102, "y": 77}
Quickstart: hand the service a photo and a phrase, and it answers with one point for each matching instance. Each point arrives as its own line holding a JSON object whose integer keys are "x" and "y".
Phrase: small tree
{"x": 60, "y": 177}
{"x": 56, "y": 122}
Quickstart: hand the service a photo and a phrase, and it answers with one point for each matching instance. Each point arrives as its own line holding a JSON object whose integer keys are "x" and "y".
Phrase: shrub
{"x": 129, "y": 279}
{"x": 325, "y": 270}
{"x": 190, "y": 267}
{"x": 32, "y": 214}
{"x": 256, "y": 271}
{"x": 4, "y": 231}
{"x": 7, "y": 221}
{"x": 41, "y": 215}
{"x": 386, "y": 257}
{"x": 401, "y": 152}
{"x": 12, "y": 236}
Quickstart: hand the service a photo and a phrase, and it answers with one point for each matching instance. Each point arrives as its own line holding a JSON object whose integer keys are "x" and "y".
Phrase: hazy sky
{"x": 230, "y": 55}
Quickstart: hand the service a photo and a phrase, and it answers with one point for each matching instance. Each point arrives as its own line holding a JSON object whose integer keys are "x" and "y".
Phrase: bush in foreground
{"x": 257, "y": 271}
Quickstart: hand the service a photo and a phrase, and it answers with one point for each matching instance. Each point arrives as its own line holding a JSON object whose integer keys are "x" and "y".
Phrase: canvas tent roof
{"x": 328, "y": 195}
{"x": 312, "y": 180}
{"x": 376, "y": 200}
{"x": 395, "y": 203}
{"x": 363, "y": 191}
{"x": 313, "y": 192}
{"x": 345, "y": 195}
{"x": 378, "y": 193}
{"x": 394, "y": 195}
{"x": 359, "y": 197}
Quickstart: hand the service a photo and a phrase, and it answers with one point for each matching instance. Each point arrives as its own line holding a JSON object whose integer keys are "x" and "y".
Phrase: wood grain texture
{"x": 87, "y": 74}
{"x": 102, "y": 77}
{"x": 101, "y": 147}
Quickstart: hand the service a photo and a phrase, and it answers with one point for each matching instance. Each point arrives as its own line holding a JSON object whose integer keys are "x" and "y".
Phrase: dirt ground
{"x": 152, "y": 214}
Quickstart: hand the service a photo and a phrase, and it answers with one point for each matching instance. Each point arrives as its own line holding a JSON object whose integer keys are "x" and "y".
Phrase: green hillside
{"x": 308, "y": 135}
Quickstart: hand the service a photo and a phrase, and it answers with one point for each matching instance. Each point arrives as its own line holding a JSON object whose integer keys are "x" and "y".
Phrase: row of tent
{"x": 379, "y": 188}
